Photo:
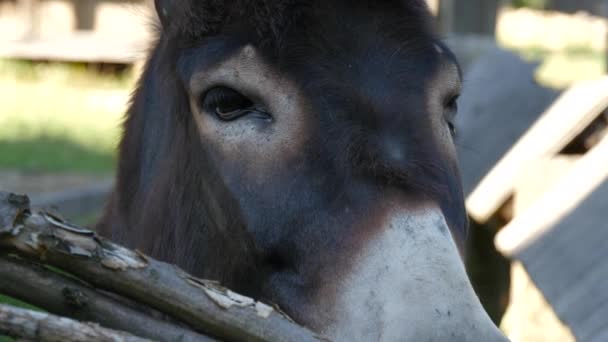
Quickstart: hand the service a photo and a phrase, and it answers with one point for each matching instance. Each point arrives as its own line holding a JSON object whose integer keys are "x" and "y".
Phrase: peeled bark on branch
{"x": 203, "y": 305}
{"x": 44, "y": 327}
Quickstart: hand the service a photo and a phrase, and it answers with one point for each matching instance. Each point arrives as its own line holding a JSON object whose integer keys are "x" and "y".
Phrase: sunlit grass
{"x": 51, "y": 154}
{"x": 69, "y": 74}
{"x": 560, "y": 69}
{"x": 563, "y": 69}
{"x": 59, "y": 117}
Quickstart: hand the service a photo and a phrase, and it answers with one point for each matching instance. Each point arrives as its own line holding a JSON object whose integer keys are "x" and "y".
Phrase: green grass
{"x": 59, "y": 117}
{"x": 68, "y": 74}
{"x": 54, "y": 154}
{"x": 538, "y": 4}
{"x": 15, "y": 302}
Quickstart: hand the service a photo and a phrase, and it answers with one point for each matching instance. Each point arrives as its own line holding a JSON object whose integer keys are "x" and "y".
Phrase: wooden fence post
{"x": 30, "y": 11}
{"x": 84, "y": 13}
{"x": 469, "y": 16}
{"x": 605, "y": 15}
{"x": 445, "y": 16}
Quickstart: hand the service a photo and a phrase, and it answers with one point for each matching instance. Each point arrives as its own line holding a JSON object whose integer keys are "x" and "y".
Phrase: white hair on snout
{"x": 409, "y": 284}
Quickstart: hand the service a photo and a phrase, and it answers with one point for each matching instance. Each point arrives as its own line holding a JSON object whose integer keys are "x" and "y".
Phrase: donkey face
{"x": 302, "y": 152}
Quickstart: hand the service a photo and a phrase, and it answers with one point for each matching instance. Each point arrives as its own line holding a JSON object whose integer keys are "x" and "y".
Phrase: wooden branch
{"x": 40, "y": 326}
{"x": 204, "y": 305}
{"x": 63, "y": 296}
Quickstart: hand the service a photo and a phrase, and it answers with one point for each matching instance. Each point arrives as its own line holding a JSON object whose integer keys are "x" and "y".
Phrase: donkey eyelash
{"x": 228, "y": 105}
{"x": 225, "y": 100}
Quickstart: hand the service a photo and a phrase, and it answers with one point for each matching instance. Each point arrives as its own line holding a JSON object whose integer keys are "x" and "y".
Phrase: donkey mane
{"x": 191, "y": 20}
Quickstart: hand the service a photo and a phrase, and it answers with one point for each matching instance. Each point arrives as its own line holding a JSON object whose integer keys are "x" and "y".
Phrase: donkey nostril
{"x": 275, "y": 261}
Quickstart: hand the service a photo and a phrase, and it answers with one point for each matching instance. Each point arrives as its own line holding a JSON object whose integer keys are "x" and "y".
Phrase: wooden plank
{"x": 557, "y": 127}
{"x": 568, "y": 264}
{"x": 30, "y": 12}
{"x": 538, "y": 177}
{"x": 529, "y": 316}
{"x": 586, "y": 175}
{"x": 78, "y": 47}
{"x": 489, "y": 121}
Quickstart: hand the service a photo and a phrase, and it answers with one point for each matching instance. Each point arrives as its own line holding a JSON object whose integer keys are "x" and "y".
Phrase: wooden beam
{"x": 529, "y": 316}
{"x": 445, "y": 16}
{"x": 78, "y": 47}
{"x": 471, "y": 16}
{"x": 556, "y": 128}
{"x": 30, "y": 13}
{"x": 586, "y": 175}
{"x": 538, "y": 177}
{"x": 84, "y": 12}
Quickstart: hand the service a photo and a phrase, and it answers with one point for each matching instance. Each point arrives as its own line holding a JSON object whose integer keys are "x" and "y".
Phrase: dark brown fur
{"x": 170, "y": 200}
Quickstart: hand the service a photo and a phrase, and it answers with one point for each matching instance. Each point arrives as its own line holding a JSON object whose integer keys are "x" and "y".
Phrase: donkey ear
{"x": 164, "y": 10}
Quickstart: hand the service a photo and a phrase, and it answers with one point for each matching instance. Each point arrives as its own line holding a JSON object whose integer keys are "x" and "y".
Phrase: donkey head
{"x": 301, "y": 152}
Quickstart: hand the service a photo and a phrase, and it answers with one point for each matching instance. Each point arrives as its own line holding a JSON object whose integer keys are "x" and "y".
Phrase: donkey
{"x": 301, "y": 152}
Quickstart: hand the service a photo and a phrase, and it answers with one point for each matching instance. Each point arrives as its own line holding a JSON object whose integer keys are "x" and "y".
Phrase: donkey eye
{"x": 228, "y": 104}
{"x": 451, "y": 107}
{"x": 452, "y": 128}
{"x": 452, "y": 104}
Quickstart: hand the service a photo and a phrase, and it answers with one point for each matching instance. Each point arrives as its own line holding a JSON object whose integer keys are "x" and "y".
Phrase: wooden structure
{"x": 559, "y": 228}
{"x": 563, "y": 253}
{"x": 77, "y": 47}
{"x": 40, "y": 39}
{"x": 565, "y": 120}
{"x": 95, "y": 31}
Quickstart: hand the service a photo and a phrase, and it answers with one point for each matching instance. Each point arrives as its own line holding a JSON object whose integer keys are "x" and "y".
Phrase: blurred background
{"x": 532, "y": 137}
